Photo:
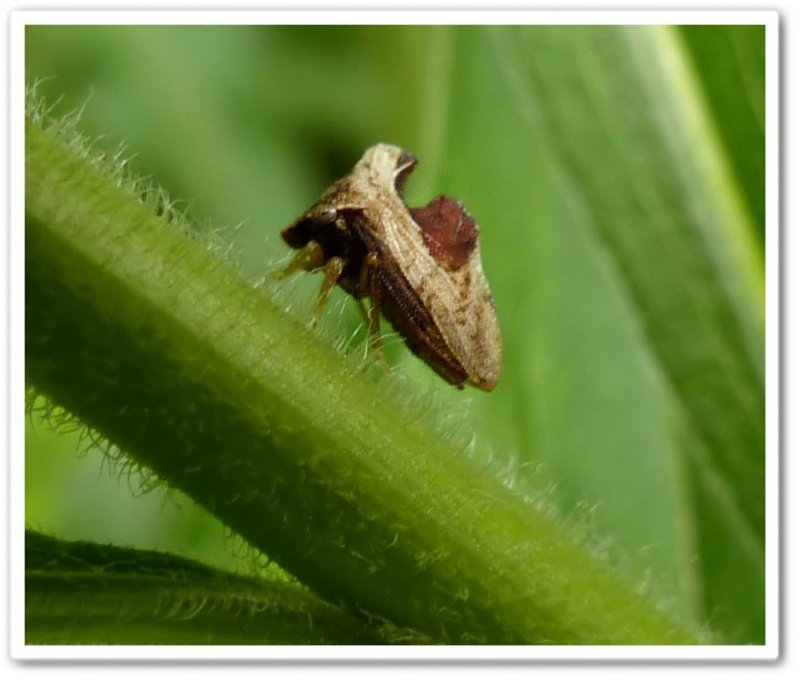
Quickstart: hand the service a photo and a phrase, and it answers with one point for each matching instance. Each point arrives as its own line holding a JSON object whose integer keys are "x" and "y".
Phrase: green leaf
{"x": 81, "y": 593}
{"x": 729, "y": 63}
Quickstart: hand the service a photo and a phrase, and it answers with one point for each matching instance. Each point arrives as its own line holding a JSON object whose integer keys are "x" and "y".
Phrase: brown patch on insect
{"x": 448, "y": 231}
{"x": 419, "y": 267}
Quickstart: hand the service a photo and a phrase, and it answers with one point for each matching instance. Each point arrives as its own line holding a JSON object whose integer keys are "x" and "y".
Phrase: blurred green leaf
{"x": 729, "y": 64}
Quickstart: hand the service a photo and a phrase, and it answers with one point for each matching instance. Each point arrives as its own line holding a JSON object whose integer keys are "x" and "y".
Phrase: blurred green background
{"x": 245, "y": 126}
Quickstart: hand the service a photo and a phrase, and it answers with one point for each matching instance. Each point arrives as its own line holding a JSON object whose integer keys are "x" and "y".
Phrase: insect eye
{"x": 324, "y": 213}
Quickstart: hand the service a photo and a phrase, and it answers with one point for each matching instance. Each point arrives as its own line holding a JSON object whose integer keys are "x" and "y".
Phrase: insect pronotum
{"x": 420, "y": 267}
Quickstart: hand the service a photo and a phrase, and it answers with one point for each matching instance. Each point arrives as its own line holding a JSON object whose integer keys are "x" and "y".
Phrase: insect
{"x": 420, "y": 267}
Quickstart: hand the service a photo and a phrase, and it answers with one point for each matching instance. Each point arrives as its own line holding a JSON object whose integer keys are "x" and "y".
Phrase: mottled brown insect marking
{"x": 448, "y": 231}
{"x": 420, "y": 268}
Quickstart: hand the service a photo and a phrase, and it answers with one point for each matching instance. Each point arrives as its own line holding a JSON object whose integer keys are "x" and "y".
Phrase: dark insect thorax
{"x": 335, "y": 242}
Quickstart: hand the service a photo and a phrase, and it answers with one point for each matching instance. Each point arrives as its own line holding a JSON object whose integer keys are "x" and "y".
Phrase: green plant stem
{"x": 145, "y": 336}
{"x": 85, "y": 593}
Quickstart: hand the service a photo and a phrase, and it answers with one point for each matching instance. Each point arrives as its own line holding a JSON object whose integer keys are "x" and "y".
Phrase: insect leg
{"x": 370, "y": 282}
{"x": 308, "y": 258}
{"x": 363, "y": 310}
{"x": 333, "y": 270}
{"x": 370, "y": 264}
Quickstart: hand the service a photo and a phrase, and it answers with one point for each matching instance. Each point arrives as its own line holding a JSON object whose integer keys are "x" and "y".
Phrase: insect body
{"x": 420, "y": 267}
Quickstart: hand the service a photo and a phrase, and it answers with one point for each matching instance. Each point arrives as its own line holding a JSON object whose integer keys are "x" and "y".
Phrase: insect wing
{"x": 458, "y": 299}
